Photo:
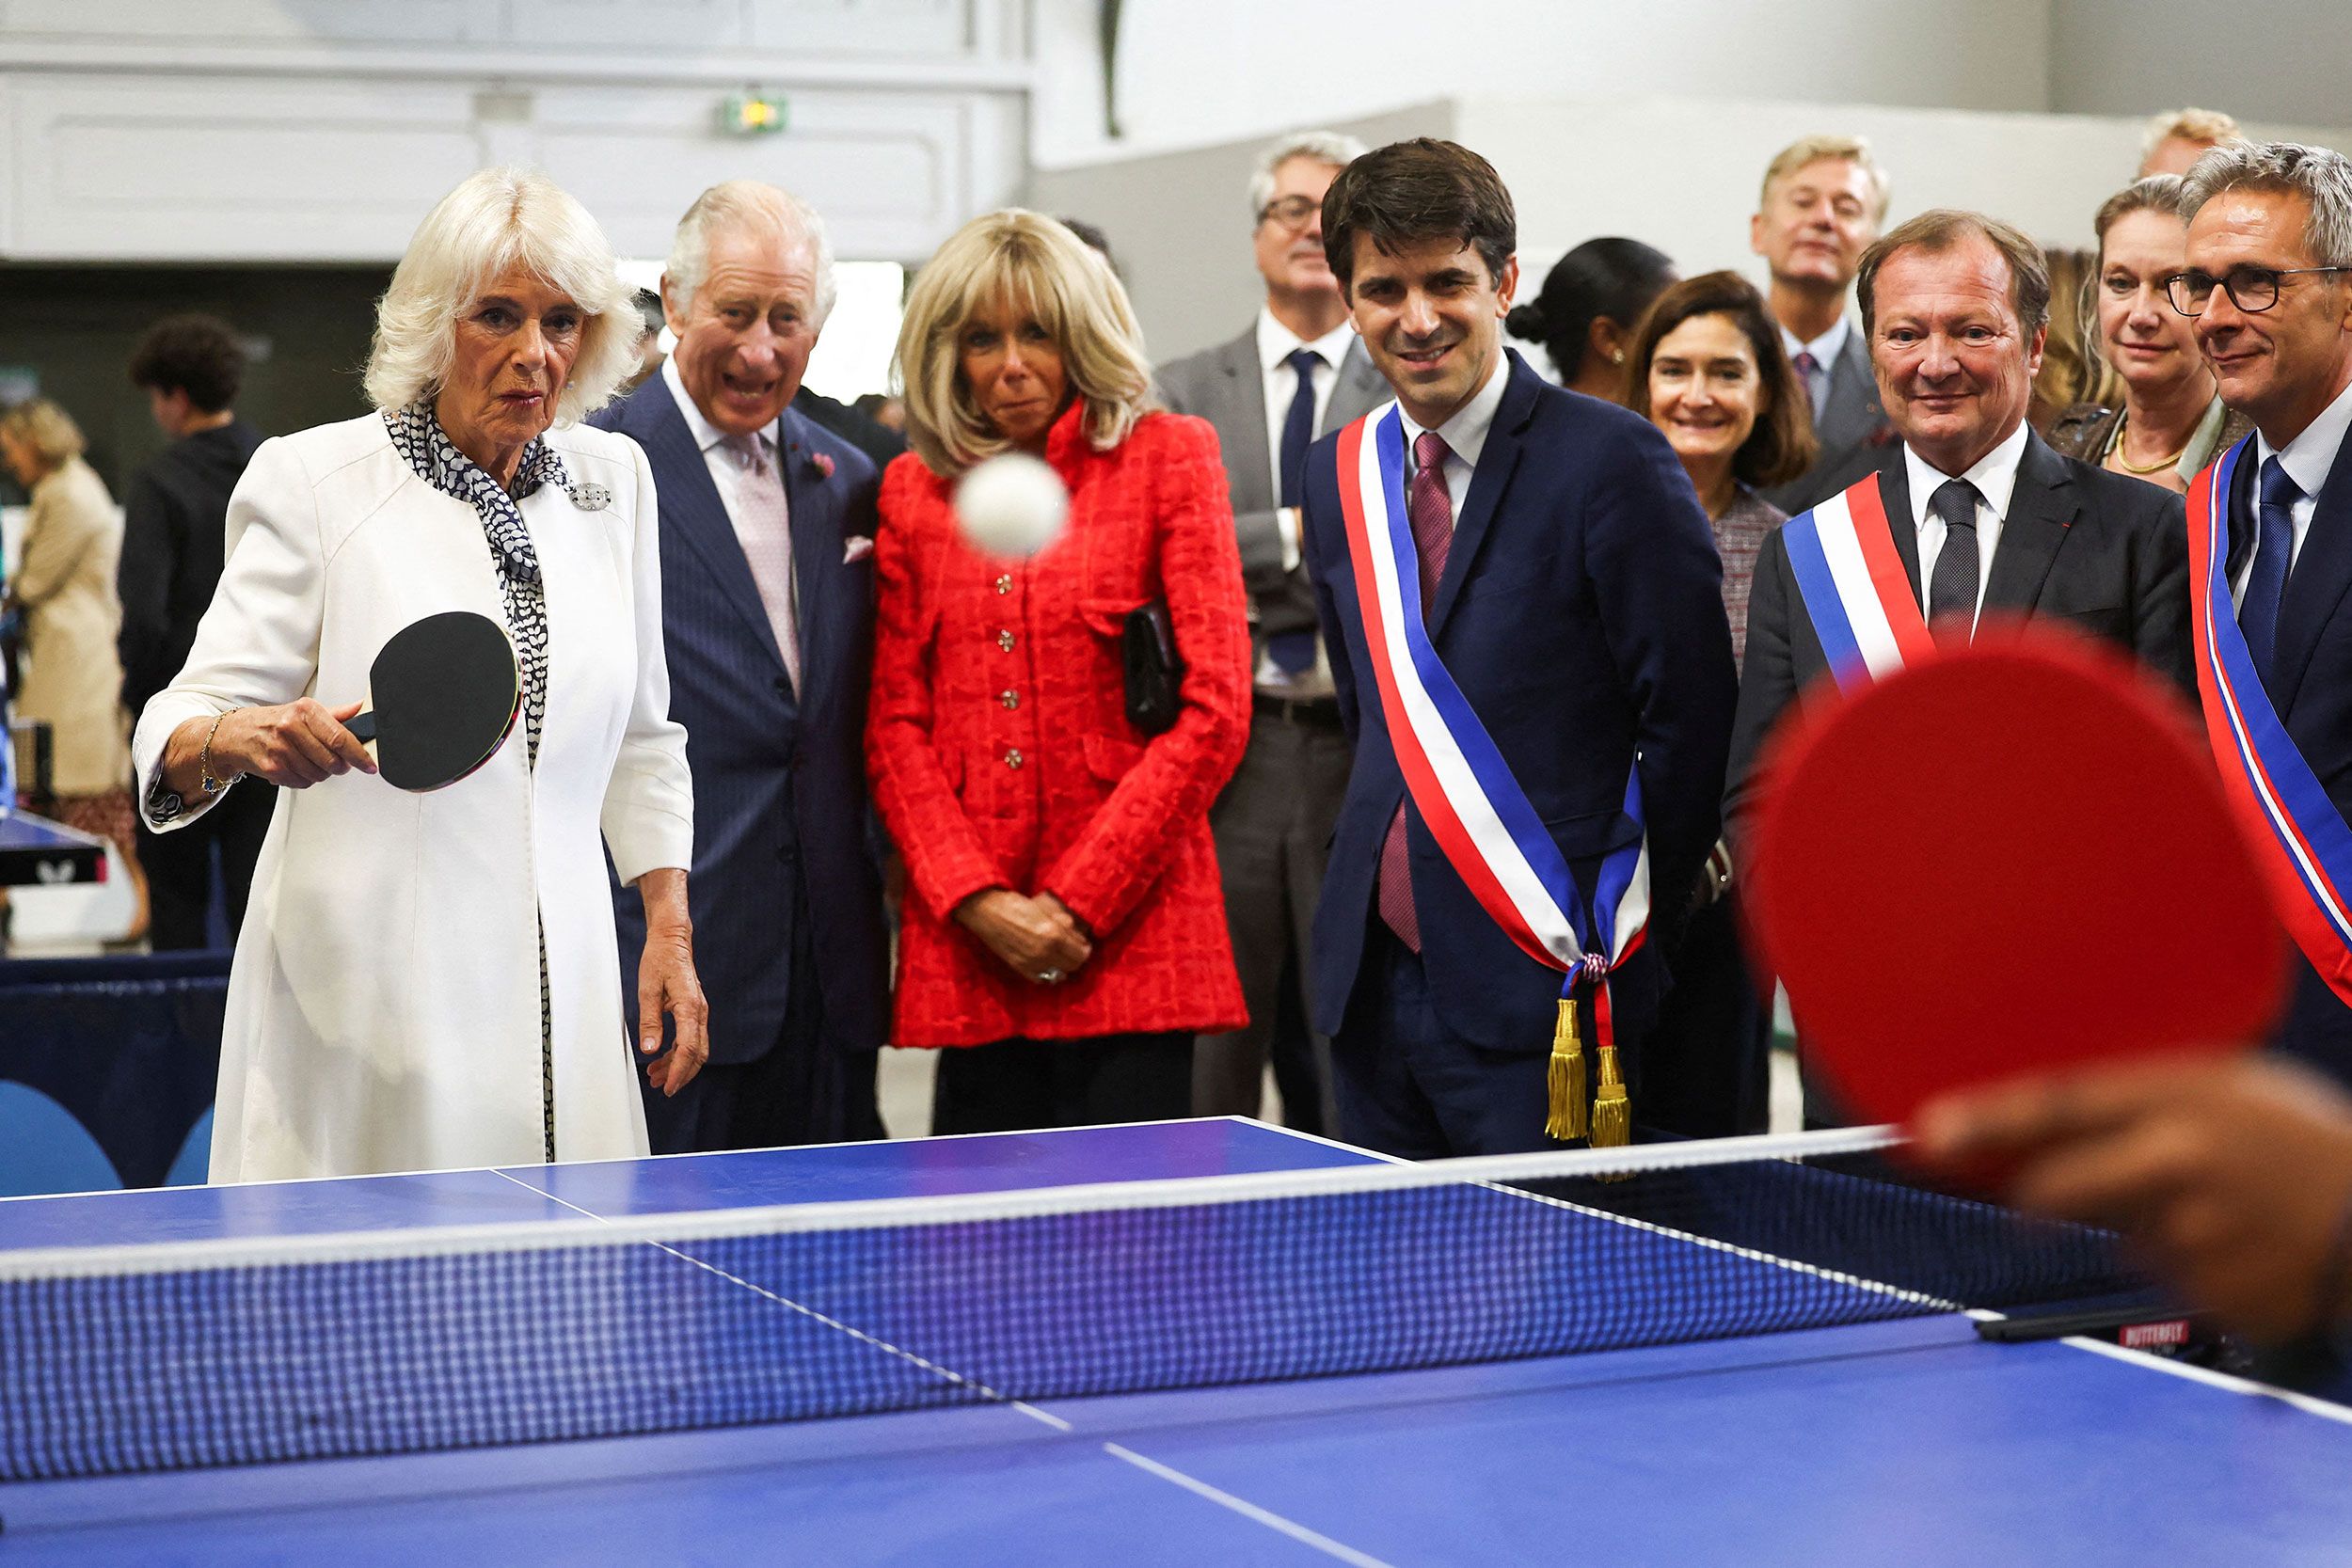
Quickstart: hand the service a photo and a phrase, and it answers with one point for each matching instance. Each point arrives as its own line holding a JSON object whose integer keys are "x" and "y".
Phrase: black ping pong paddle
{"x": 443, "y": 695}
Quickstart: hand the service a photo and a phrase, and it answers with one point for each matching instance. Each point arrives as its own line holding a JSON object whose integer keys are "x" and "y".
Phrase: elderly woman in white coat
{"x": 429, "y": 980}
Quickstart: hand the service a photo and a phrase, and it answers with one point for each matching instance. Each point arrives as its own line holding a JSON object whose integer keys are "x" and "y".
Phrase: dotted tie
{"x": 1430, "y": 509}
{"x": 763, "y": 526}
{"x": 1952, "y": 587}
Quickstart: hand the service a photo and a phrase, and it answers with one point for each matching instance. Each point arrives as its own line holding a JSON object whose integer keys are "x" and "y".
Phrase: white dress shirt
{"x": 1276, "y": 344}
{"x": 2308, "y": 460}
{"x": 1825, "y": 350}
{"x": 1996, "y": 479}
{"x": 1465, "y": 436}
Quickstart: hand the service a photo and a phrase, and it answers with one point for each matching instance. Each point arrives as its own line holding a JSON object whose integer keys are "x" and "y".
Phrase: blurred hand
{"x": 2230, "y": 1177}
{"x": 1032, "y": 937}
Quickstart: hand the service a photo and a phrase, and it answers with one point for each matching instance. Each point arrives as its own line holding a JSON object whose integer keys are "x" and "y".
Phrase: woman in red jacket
{"x": 1064, "y": 926}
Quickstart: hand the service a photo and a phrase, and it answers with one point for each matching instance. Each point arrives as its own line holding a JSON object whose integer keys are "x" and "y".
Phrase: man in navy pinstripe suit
{"x": 767, "y": 529}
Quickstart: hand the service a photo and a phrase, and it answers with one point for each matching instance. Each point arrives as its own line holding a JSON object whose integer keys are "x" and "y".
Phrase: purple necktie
{"x": 1815, "y": 392}
{"x": 1430, "y": 509}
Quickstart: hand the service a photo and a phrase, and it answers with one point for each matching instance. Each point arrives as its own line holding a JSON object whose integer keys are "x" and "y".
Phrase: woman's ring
{"x": 1049, "y": 976}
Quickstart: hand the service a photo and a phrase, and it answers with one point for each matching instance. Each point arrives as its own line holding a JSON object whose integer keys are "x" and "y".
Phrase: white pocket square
{"x": 858, "y": 549}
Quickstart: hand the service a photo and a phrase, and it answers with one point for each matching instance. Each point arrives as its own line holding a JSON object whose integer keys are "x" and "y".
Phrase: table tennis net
{"x": 200, "y": 1353}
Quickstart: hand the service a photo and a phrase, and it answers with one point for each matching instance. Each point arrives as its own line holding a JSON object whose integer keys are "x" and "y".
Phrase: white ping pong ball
{"x": 1012, "y": 505}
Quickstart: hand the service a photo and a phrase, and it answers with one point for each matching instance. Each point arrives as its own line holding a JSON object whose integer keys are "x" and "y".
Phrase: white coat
{"x": 383, "y": 1010}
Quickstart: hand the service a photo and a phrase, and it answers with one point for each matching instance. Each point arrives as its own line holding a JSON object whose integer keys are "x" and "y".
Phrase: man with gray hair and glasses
{"x": 2269, "y": 282}
{"x": 1295, "y": 375}
{"x": 768, "y": 611}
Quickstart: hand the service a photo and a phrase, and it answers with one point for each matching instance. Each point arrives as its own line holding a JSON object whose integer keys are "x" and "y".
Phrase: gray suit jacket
{"x": 1226, "y": 386}
{"x": 1853, "y": 432}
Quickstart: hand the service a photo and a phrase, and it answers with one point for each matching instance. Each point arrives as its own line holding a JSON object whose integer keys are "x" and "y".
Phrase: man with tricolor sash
{"x": 1522, "y": 606}
{"x": 2269, "y": 283}
{"x": 1971, "y": 516}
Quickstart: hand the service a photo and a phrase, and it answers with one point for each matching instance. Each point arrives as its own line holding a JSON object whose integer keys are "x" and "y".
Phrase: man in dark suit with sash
{"x": 1560, "y": 572}
{"x": 2270, "y": 282}
{"x": 1982, "y": 517}
{"x": 767, "y": 598}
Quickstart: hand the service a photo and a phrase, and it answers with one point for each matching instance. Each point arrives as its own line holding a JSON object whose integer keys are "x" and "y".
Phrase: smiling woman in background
{"x": 427, "y": 981}
{"x": 1064, "y": 923}
{"x": 2173, "y": 422}
{"x": 1706, "y": 365}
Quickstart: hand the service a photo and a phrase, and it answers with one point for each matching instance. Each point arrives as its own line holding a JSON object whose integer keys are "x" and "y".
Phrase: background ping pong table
{"x": 35, "y": 850}
{"x": 1907, "y": 1441}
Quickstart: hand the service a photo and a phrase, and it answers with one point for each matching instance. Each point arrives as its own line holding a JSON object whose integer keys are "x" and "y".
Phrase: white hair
{"x": 2319, "y": 174}
{"x": 1324, "y": 146}
{"x": 747, "y": 203}
{"x": 495, "y": 219}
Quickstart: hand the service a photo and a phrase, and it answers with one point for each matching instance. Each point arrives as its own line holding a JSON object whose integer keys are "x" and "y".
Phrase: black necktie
{"x": 2258, "y": 608}
{"x": 1952, "y": 587}
{"x": 1294, "y": 651}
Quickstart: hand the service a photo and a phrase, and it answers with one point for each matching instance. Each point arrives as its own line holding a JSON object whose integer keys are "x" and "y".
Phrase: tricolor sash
{"x": 2300, "y": 840}
{"x": 1855, "y": 587}
{"x": 1465, "y": 793}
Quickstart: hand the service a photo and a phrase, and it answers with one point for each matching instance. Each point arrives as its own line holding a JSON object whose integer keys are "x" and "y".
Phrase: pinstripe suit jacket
{"x": 779, "y": 774}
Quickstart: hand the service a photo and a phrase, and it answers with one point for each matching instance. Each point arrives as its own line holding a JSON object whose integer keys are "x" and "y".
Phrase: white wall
{"x": 2284, "y": 60}
{"x": 322, "y": 130}
{"x": 1210, "y": 71}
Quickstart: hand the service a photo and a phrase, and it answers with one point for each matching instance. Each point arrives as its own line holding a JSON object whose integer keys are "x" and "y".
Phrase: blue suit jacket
{"x": 1581, "y": 614}
{"x": 2311, "y": 685}
{"x": 779, "y": 774}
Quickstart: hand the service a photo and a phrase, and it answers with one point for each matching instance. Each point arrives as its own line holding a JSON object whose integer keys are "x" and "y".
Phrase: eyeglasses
{"x": 2249, "y": 289}
{"x": 1292, "y": 212}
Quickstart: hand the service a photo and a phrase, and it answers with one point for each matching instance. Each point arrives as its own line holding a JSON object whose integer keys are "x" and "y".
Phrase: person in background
{"x": 2267, "y": 279}
{"x": 174, "y": 525}
{"x": 883, "y": 409}
{"x": 63, "y": 593}
{"x": 768, "y": 618}
{"x": 1823, "y": 200}
{"x": 2172, "y": 421}
{"x": 2070, "y": 369}
{"x": 426, "y": 981}
{"x": 1063, "y": 933}
{"x": 2176, "y": 138}
{"x": 1586, "y": 312}
{"x": 1706, "y": 366}
{"x": 1297, "y": 373}
{"x": 649, "y": 354}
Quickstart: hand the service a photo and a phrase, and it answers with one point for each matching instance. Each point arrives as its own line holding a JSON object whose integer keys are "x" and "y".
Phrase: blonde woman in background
{"x": 64, "y": 590}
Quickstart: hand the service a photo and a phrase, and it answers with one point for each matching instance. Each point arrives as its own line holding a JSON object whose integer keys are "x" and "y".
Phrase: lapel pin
{"x": 591, "y": 498}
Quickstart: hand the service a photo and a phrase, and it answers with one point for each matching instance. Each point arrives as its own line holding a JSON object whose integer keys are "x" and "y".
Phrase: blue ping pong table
{"x": 34, "y": 849}
{"x": 1908, "y": 1441}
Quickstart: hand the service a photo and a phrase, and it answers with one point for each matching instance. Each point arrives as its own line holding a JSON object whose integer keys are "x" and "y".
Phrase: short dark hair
{"x": 1411, "y": 192}
{"x": 1611, "y": 277}
{"x": 1946, "y": 227}
{"x": 1782, "y": 445}
{"x": 197, "y": 355}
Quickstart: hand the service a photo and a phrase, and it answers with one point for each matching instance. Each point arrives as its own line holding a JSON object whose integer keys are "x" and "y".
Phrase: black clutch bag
{"x": 1155, "y": 670}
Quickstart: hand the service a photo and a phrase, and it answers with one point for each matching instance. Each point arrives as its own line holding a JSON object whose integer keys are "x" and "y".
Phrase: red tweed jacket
{"x": 1001, "y": 755}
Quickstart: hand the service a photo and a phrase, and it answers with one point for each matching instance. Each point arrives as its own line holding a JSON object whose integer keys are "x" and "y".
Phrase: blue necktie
{"x": 1294, "y": 651}
{"x": 2265, "y": 584}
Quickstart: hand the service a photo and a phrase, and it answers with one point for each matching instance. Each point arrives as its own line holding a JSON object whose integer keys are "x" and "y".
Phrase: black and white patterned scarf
{"x": 417, "y": 435}
{"x": 427, "y": 449}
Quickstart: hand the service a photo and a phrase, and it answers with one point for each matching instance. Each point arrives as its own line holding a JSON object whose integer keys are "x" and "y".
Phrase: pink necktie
{"x": 1430, "y": 509}
{"x": 764, "y": 528}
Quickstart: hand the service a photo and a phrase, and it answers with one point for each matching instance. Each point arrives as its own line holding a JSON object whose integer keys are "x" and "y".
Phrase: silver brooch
{"x": 591, "y": 498}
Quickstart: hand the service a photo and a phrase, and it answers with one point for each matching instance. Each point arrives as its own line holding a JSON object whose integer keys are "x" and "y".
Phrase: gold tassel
{"x": 1567, "y": 1077}
{"x": 1613, "y": 1113}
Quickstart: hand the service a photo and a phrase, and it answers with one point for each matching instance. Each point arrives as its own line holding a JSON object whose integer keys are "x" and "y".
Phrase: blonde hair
{"x": 2210, "y": 126}
{"x": 1812, "y": 150}
{"x": 495, "y": 219}
{"x": 748, "y": 204}
{"x": 1037, "y": 264}
{"x": 46, "y": 428}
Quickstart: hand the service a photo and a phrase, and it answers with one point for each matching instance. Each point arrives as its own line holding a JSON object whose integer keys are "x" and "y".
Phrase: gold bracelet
{"x": 204, "y": 760}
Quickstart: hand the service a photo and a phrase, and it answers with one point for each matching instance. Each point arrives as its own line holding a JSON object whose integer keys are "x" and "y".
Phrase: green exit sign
{"x": 752, "y": 114}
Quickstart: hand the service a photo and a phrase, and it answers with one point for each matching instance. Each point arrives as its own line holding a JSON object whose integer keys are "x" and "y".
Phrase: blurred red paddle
{"x": 2003, "y": 861}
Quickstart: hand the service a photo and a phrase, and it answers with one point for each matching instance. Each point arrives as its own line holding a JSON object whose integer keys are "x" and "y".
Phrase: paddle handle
{"x": 363, "y": 727}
